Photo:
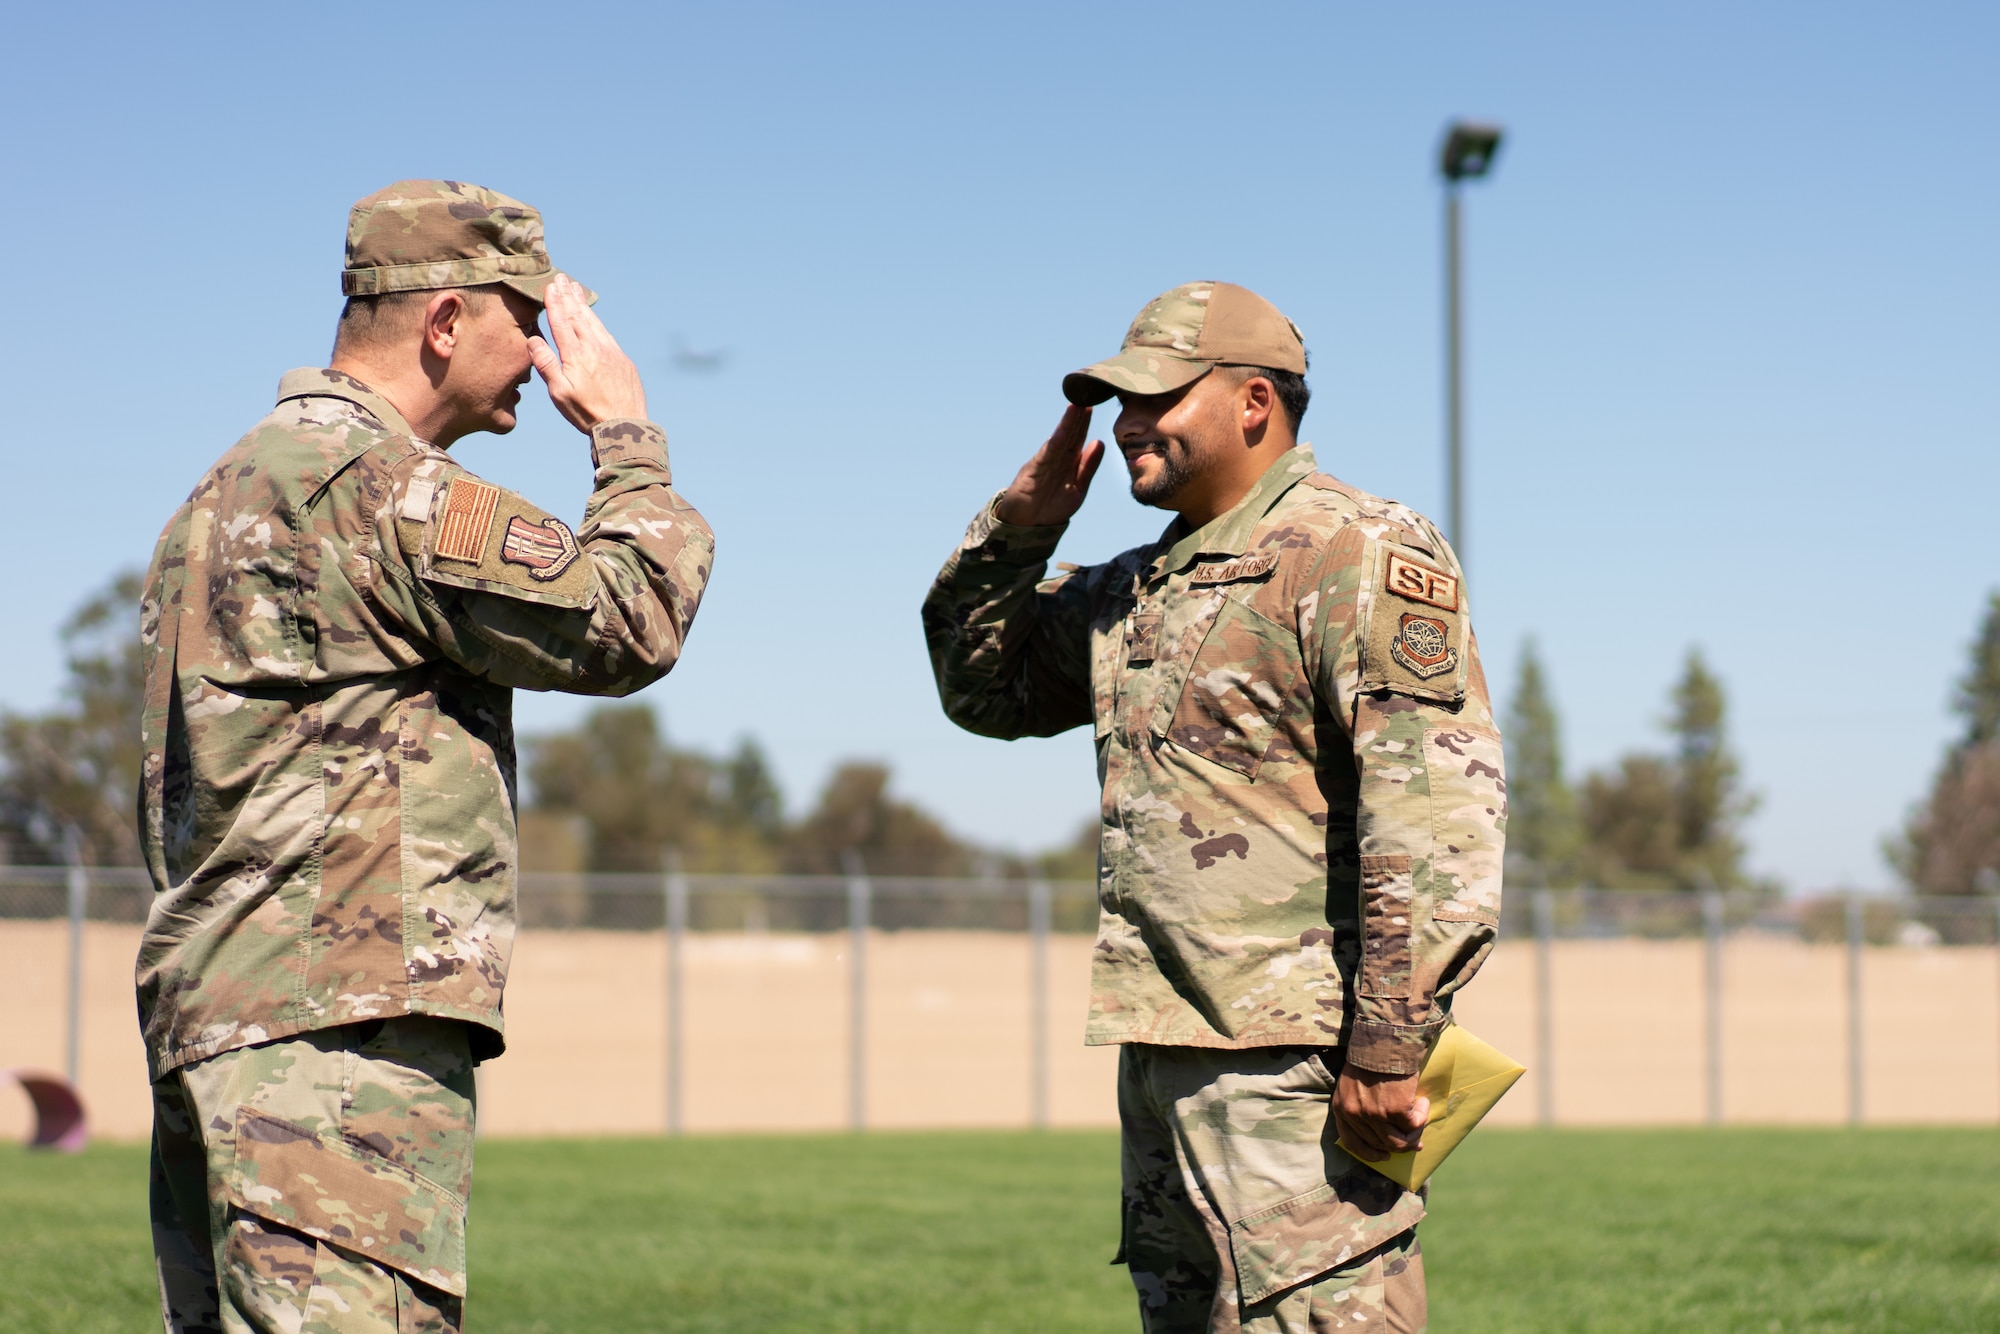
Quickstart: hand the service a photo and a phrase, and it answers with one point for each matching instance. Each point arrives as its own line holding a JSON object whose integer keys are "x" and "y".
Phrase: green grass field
{"x": 1571, "y": 1230}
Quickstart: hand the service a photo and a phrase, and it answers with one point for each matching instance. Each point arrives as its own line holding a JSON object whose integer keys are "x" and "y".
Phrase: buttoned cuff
{"x": 1393, "y": 1049}
{"x": 629, "y": 440}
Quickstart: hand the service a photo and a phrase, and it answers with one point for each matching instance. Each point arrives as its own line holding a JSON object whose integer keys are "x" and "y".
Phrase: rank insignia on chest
{"x": 1422, "y": 645}
{"x": 1142, "y": 638}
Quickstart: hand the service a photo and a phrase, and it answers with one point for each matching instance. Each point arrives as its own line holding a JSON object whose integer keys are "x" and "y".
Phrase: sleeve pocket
{"x": 351, "y": 1197}
{"x": 1468, "y": 823}
{"x": 1387, "y": 896}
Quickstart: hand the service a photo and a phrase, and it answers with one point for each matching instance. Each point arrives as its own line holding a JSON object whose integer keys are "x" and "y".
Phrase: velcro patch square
{"x": 1420, "y": 583}
{"x": 417, "y": 500}
{"x": 466, "y": 520}
{"x": 1415, "y": 641}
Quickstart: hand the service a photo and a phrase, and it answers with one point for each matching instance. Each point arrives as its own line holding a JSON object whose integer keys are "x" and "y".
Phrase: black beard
{"x": 1174, "y": 474}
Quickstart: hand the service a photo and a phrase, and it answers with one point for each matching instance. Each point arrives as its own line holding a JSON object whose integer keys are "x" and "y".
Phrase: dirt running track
{"x": 949, "y": 1016}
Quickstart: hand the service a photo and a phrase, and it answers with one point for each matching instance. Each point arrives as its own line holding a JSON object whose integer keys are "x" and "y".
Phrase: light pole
{"x": 1468, "y": 153}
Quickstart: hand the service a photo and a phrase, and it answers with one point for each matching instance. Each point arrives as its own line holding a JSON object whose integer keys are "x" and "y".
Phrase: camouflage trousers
{"x": 1242, "y": 1213}
{"x": 317, "y": 1185}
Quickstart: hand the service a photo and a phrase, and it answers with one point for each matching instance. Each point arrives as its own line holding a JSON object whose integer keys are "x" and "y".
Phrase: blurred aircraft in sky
{"x": 699, "y": 361}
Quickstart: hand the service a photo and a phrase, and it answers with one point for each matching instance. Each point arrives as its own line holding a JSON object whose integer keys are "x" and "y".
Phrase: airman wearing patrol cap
{"x": 1303, "y": 812}
{"x": 335, "y": 623}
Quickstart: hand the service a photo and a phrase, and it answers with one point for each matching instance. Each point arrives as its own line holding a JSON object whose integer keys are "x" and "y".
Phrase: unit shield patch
{"x": 1421, "y": 645}
{"x": 546, "y": 548}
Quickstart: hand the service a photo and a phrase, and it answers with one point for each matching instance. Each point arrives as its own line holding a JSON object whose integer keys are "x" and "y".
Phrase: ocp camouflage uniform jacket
{"x": 1303, "y": 801}
{"x": 334, "y": 623}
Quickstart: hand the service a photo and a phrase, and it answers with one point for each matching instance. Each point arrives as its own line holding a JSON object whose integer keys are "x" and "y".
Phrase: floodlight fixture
{"x": 1469, "y": 149}
{"x": 1467, "y": 154}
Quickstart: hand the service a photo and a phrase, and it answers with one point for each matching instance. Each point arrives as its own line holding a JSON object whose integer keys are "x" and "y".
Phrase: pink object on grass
{"x": 59, "y": 1119}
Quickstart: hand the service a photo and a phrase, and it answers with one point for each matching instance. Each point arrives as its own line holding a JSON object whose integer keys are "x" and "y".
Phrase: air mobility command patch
{"x": 477, "y": 536}
{"x": 546, "y": 548}
{"x": 1422, "y": 646}
{"x": 1415, "y": 640}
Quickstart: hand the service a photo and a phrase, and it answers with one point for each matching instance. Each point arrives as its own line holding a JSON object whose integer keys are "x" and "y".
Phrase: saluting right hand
{"x": 1051, "y": 486}
{"x": 590, "y": 378}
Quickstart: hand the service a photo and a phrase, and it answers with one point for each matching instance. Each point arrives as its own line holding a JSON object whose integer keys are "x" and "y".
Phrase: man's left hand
{"x": 1378, "y": 1115}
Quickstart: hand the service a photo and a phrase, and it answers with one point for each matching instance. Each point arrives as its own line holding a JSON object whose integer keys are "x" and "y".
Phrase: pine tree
{"x": 1543, "y": 837}
{"x": 1709, "y": 804}
{"x": 1674, "y": 821}
{"x": 1631, "y": 836}
{"x": 1951, "y": 843}
{"x": 1978, "y": 699}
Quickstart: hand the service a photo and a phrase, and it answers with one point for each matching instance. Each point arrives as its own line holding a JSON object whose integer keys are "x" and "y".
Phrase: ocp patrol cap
{"x": 420, "y": 235}
{"x": 1186, "y": 332}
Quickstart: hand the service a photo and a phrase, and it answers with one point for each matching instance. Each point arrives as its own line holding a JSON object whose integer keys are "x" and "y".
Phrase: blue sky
{"x": 1731, "y": 295}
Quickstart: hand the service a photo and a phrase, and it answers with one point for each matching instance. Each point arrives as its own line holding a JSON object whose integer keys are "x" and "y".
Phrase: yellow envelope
{"x": 1463, "y": 1079}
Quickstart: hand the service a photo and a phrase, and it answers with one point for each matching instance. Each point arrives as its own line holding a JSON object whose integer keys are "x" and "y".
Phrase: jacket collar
{"x": 317, "y": 382}
{"x": 1229, "y": 533}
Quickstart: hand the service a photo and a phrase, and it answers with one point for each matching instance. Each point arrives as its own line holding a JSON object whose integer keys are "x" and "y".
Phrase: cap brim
{"x": 535, "y": 288}
{"x": 1140, "y": 371}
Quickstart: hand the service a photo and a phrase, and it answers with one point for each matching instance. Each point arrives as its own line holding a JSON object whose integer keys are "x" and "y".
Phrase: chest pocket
{"x": 1233, "y": 694}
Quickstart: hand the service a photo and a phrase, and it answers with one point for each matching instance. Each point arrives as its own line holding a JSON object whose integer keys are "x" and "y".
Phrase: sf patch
{"x": 1420, "y": 583}
{"x": 1414, "y": 641}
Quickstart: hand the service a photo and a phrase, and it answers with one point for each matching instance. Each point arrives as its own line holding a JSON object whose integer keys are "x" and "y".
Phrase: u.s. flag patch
{"x": 466, "y": 520}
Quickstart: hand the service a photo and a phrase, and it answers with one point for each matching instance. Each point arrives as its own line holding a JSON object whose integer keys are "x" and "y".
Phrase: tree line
{"x": 1673, "y": 819}
{"x": 609, "y": 795}
{"x": 613, "y": 794}
{"x": 1669, "y": 820}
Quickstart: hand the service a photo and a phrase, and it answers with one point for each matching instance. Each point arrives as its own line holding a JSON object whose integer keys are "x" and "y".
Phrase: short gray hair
{"x": 369, "y": 322}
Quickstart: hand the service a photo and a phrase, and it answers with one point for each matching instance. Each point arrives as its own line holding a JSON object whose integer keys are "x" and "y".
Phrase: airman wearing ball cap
{"x": 1183, "y": 334}
{"x": 335, "y": 623}
{"x": 1302, "y": 819}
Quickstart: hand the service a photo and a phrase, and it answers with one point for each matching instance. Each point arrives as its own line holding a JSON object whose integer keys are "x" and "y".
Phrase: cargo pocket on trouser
{"x": 1332, "y": 1228}
{"x": 1381, "y": 1293}
{"x": 290, "y": 1188}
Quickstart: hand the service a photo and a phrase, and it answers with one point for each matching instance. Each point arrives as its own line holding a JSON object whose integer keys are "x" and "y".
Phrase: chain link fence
{"x": 850, "y": 911}
{"x": 1854, "y": 922}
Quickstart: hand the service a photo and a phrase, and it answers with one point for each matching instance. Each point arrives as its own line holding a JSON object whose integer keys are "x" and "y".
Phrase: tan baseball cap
{"x": 1186, "y": 332}
{"x": 418, "y": 235}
